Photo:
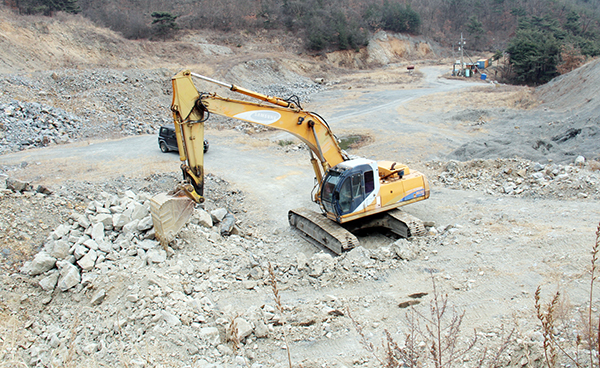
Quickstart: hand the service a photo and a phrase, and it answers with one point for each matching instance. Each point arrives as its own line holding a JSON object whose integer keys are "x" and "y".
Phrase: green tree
{"x": 47, "y": 7}
{"x": 572, "y": 24}
{"x": 534, "y": 55}
{"x": 396, "y": 17}
{"x": 164, "y": 24}
{"x": 476, "y": 31}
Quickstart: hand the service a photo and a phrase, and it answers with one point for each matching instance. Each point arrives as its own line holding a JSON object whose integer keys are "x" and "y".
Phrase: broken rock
{"x": 41, "y": 263}
{"x": 49, "y": 282}
{"x": 69, "y": 276}
{"x": 16, "y": 185}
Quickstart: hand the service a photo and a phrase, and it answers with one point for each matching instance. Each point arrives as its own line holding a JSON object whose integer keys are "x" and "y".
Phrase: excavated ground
{"x": 514, "y": 206}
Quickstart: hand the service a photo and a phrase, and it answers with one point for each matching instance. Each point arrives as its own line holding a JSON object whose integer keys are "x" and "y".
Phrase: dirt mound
{"x": 576, "y": 91}
{"x": 563, "y": 126}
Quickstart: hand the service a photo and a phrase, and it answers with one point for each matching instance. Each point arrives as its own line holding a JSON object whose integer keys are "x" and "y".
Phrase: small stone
{"x": 98, "y": 297}
{"x": 145, "y": 224}
{"x": 405, "y": 250}
{"x": 60, "y": 232}
{"x": 249, "y": 284}
{"x": 227, "y": 225}
{"x": 105, "y": 247}
{"x": 16, "y": 185}
{"x": 156, "y": 256}
{"x": 131, "y": 227}
{"x": 60, "y": 249}
{"x": 88, "y": 261}
{"x": 301, "y": 261}
{"x": 171, "y": 319}
{"x": 219, "y": 214}
{"x": 210, "y": 335}
{"x": 80, "y": 251}
{"x": 119, "y": 220}
{"x": 139, "y": 212}
{"x": 98, "y": 232}
{"x": 69, "y": 276}
{"x": 49, "y": 282}
{"x": 41, "y": 263}
{"x": 106, "y": 220}
{"x": 359, "y": 256}
{"x": 90, "y": 348}
{"x": 148, "y": 244}
{"x": 580, "y": 161}
{"x": 203, "y": 218}
{"x": 261, "y": 330}
{"x": 91, "y": 244}
{"x": 43, "y": 189}
{"x": 243, "y": 327}
{"x": 81, "y": 220}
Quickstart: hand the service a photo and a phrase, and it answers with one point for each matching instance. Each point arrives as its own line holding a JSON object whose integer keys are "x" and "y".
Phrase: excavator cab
{"x": 349, "y": 187}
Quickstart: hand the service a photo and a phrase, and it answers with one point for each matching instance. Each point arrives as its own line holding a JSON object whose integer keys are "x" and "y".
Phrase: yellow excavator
{"x": 353, "y": 193}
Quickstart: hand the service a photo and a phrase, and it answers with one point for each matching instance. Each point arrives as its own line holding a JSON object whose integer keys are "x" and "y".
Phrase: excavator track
{"x": 414, "y": 226}
{"x": 322, "y": 230}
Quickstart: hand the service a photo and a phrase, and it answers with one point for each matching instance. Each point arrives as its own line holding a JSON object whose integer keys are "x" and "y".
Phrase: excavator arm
{"x": 191, "y": 109}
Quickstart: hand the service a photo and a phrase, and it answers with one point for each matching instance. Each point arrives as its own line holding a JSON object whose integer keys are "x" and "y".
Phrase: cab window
{"x": 369, "y": 182}
{"x": 346, "y": 196}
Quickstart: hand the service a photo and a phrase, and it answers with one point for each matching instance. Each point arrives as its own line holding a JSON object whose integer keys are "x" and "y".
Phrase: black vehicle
{"x": 167, "y": 141}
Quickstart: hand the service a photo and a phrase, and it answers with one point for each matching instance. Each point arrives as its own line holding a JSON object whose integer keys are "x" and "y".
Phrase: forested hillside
{"x": 543, "y": 37}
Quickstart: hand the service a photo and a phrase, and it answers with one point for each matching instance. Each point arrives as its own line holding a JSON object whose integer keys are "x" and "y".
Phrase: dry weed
{"x": 594, "y": 165}
{"x": 559, "y": 344}
{"x": 232, "y": 333}
{"x": 433, "y": 340}
{"x": 280, "y": 309}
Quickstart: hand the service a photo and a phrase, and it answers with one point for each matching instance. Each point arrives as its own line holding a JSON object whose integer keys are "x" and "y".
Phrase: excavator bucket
{"x": 169, "y": 214}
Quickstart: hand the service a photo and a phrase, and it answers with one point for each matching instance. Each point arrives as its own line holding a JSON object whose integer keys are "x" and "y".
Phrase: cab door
{"x": 351, "y": 193}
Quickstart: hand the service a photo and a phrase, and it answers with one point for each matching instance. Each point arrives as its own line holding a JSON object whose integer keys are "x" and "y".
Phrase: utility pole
{"x": 461, "y": 46}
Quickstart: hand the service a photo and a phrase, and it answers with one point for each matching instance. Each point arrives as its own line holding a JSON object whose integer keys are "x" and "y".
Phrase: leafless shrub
{"x": 11, "y": 337}
{"x": 232, "y": 333}
{"x": 594, "y": 165}
{"x": 558, "y": 344}
{"x": 273, "y": 280}
{"x": 432, "y": 340}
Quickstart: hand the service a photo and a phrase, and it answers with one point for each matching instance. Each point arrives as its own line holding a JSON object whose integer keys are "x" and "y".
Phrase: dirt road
{"x": 276, "y": 180}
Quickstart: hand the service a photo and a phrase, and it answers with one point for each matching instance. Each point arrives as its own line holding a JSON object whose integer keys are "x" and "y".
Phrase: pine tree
{"x": 47, "y": 7}
{"x": 164, "y": 24}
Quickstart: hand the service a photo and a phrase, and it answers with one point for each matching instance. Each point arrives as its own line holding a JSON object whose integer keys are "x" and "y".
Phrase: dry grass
{"x": 560, "y": 345}
{"x": 434, "y": 339}
{"x": 594, "y": 165}
{"x": 279, "y": 306}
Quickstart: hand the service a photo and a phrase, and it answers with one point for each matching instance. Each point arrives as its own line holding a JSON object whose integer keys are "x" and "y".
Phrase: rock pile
{"x": 517, "y": 177}
{"x": 105, "y": 103}
{"x": 110, "y": 229}
{"x": 30, "y": 125}
{"x": 103, "y": 270}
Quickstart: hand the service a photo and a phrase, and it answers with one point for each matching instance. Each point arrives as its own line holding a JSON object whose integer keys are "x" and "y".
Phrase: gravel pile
{"x": 26, "y": 125}
{"x": 522, "y": 178}
{"x": 57, "y": 107}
